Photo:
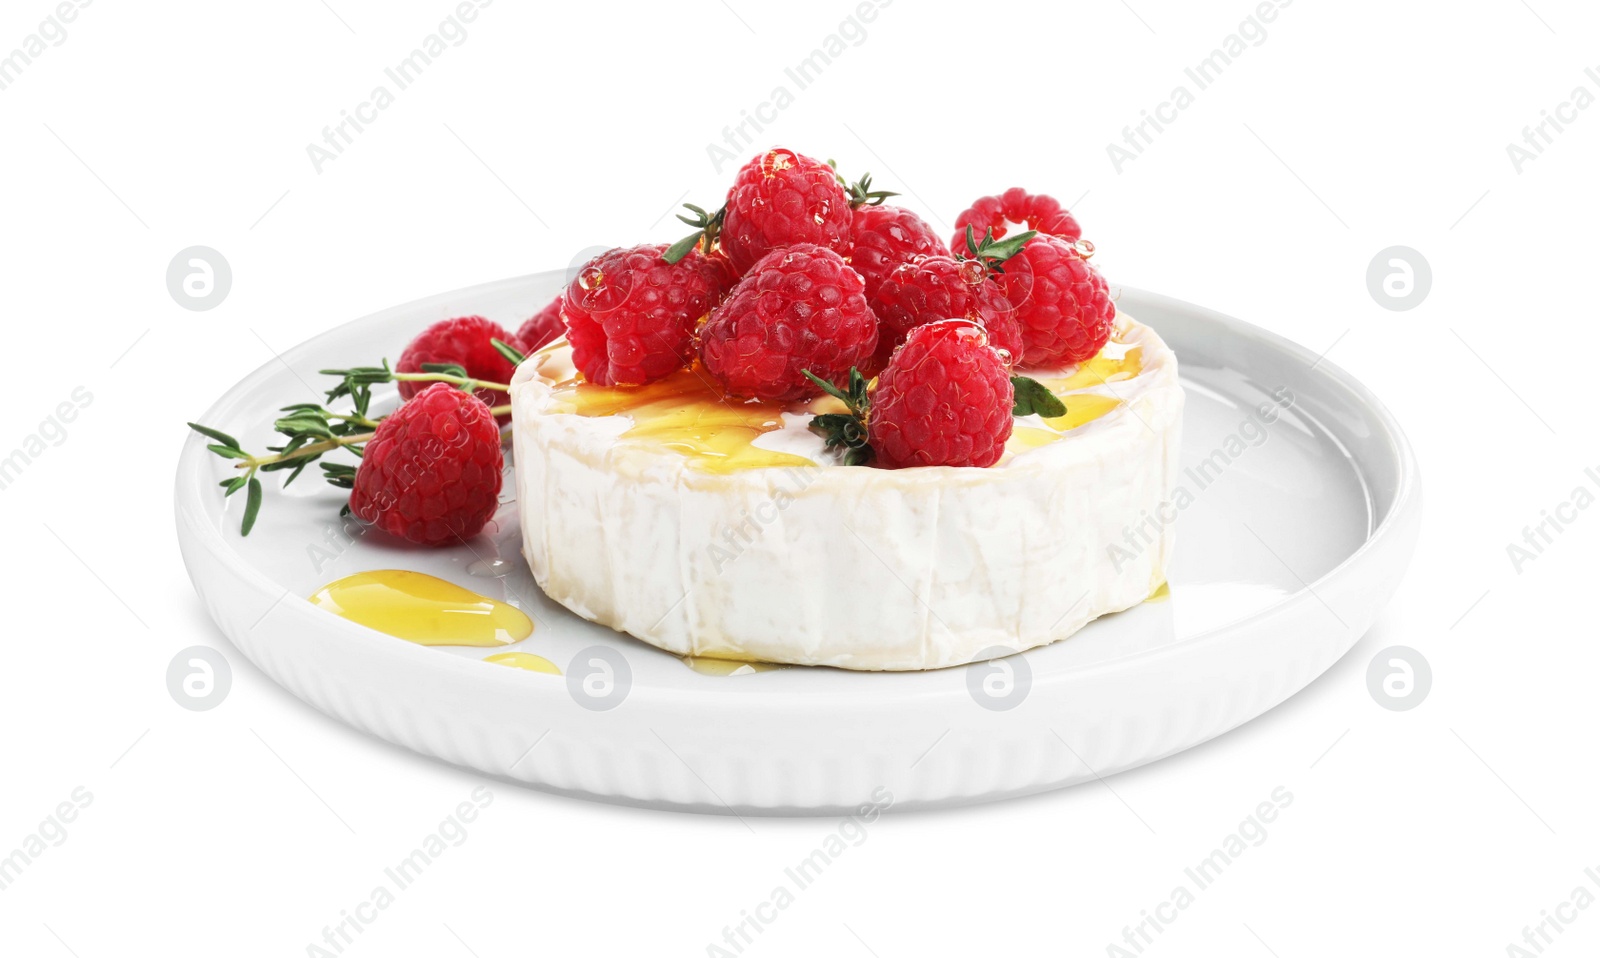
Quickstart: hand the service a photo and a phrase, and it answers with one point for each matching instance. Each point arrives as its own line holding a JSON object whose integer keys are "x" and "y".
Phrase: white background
{"x": 1352, "y": 127}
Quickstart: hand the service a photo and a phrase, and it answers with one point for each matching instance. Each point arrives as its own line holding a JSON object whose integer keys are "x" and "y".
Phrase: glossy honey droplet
{"x": 686, "y": 412}
{"x": 423, "y": 609}
{"x": 526, "y": 661}
{"x": 776, "y": 161}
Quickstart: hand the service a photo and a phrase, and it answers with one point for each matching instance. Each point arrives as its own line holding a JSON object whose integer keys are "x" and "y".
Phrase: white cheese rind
{"x": 852, "y": 567}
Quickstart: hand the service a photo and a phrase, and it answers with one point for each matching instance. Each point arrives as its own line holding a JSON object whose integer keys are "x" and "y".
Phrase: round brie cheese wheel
{"x": 714, "y": 527}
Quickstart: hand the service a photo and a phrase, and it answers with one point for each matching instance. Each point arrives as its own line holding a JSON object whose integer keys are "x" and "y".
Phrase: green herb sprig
{"x": 1033, "y": 396}
{"x": 311, "y": 430}
{"x": 846, "y": 430}
{"x": 993, "y": 253}
{"x": 707, "y": 227}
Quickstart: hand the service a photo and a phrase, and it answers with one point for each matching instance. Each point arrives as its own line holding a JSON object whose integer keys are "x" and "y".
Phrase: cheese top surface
{"x": 689, "y": 414}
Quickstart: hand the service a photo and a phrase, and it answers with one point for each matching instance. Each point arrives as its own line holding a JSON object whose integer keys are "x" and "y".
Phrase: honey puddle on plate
{"x": 423, "y": 609}
{"x": 526, "y": 661}
{"x": 710, "y": 666}
{"x": 688, "y": 411}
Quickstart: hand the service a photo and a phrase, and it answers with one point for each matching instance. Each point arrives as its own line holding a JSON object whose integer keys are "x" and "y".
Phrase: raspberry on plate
{"x": 1016, "y": 208}
{"x": 945, "y": 399}
{"x": 941, "y": 287}
{"x": 1061, "y": 303}
{"x": 631, "y": 315}
{"x": 782, "y": 198}
{"x": 431, "y": 473}
{"x": 544, "y": 328}
{"x": 885, "y": 237}
{"x": 801, "y": 308}
{"x": 467, "y": 342}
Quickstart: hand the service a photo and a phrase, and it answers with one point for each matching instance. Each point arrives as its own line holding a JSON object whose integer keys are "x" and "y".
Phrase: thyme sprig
{"x": 993, "y": 253}
{"x": 312, "y": 430}
{"x": 846, "y": 430}
{"x": 707, "y": 227}
{"x": 862, "y": 194}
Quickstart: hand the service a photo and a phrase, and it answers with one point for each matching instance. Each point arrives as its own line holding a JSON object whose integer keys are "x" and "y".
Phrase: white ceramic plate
{"x": 1292, "y": 536}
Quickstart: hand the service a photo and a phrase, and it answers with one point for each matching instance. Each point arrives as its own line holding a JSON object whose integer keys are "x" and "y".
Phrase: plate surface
{"x": 1298, "y": 509}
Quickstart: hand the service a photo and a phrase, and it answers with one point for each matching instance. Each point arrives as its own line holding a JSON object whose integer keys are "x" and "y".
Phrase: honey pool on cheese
{"x": 720, "y": 529}
{"x": 689, "y": 412}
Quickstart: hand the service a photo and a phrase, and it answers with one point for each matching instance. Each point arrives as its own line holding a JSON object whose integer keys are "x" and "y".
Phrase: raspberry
{"x": 941, "y": 287}
{"x": 945, "y": 399}
{"x": 1062, "y": 304}
{"x": 631, "y": 315}
{"x": 1019, "y": 207}
{"x": 544, "y": 328}
{"x": 885, "y": 237}
{"x": 799, "y": 309}
{"x": 1005, "y": 333}
{"x": 465, "y": 342}
{"x": 431, "y": 474}
{"x": 718, "y": 274}
{"x": 779, "y": 199}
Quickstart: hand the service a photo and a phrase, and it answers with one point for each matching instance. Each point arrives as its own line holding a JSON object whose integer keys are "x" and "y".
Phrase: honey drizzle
{"x": 1082, "y": 407}
{"x": 423, "y": 609}
{"x": 526, "y": 661}
{"x": 688, "y": 412}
